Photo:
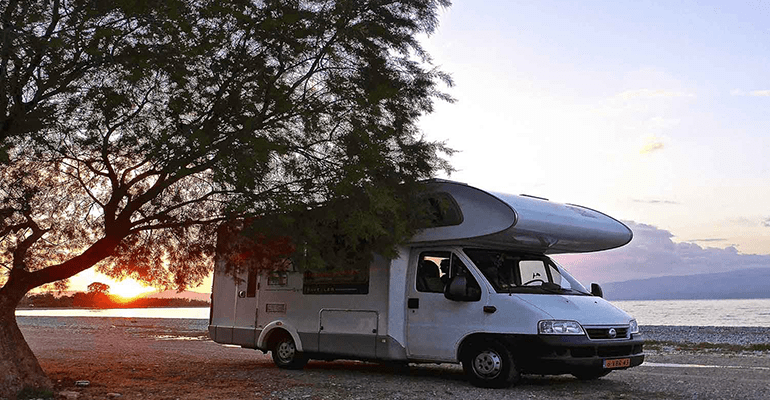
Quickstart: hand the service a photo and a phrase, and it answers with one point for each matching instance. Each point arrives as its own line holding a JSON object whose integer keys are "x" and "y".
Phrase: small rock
{"x": 113, "y": 395}
{"x": 82, "y": 383}
{"x": 69, "y": 395}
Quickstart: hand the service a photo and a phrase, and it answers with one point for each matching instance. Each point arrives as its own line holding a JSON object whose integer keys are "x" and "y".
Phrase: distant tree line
{"x": 102, "y": 300}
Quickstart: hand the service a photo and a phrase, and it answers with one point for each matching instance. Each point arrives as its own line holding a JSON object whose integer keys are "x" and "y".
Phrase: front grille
{"x": 605, "y": 351}
{"x": 604, "y": 333}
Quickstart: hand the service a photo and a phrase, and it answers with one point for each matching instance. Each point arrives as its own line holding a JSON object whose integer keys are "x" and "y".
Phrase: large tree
{"x": 129, "y": 130}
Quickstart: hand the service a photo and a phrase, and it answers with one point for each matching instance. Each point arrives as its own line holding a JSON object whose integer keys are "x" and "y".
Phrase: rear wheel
{"x": 490, "y": 364}
{"x": 285, "y": 354}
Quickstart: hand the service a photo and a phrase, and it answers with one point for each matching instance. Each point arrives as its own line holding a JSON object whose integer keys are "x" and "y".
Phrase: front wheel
{"x": 285, "y": 354}
{"x": 490, "y": 364}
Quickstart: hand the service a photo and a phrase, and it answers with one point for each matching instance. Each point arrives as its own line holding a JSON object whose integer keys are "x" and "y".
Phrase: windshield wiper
{"x": 552, "y": 288}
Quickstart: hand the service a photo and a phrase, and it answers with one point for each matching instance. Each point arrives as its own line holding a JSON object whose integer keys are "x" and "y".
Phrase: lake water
{"x": 750, "y": 312}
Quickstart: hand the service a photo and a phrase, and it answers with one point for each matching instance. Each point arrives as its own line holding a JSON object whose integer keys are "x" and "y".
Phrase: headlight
{"x": 559, "y": 328}
{"x": 633, "y": 326}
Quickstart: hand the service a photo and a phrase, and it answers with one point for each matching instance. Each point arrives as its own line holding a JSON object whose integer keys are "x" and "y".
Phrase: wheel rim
{"x": 487, "y": 364}
{"x": 286, "y": 350}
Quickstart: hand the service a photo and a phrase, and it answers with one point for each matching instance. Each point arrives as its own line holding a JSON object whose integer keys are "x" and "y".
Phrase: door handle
{"x": 413, "y": 303}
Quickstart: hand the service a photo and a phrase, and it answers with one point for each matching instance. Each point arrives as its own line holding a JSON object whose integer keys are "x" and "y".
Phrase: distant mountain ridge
{"x": 740, "y": 284}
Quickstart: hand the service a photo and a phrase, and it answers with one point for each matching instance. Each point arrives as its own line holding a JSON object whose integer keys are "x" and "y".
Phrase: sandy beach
{"x": 144, "y": 358}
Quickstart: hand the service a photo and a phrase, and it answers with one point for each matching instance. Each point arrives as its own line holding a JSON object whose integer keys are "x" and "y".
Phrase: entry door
{"x": 348, "y": 332}
{"x": 247, "y": 297}
{"x": 435, "y": 324}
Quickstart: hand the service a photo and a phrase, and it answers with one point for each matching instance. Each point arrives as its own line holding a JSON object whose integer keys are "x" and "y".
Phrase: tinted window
{"x": 443, "y": 210}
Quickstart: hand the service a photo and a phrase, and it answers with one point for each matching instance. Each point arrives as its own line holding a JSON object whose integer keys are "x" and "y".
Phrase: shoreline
{"x": 748, "y": 337}
{"x": 24, "y": 308}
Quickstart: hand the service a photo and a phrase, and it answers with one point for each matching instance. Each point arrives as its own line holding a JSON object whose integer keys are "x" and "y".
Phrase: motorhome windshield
{"x": 511, "y": 272}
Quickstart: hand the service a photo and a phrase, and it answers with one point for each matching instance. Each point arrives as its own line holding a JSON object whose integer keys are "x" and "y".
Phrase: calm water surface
{"x": 179, "y": 312}
{"x": 738, "y": 312}
{"x": 751, "y": 312}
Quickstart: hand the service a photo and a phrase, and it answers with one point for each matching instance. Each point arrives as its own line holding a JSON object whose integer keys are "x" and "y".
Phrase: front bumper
{"x": 555, "y": 354}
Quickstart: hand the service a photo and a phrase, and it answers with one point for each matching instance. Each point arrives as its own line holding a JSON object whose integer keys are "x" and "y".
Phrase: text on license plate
{"x": 617, "y": 363}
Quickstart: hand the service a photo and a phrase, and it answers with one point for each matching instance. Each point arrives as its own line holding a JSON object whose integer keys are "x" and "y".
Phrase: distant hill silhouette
{"x": 103, "y": 300}
{"x": 173, "y": 294}
{"x": 741, "y": 284}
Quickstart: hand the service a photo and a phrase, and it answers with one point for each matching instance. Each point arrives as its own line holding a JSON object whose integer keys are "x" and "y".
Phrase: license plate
{"x": 617, "y": 363}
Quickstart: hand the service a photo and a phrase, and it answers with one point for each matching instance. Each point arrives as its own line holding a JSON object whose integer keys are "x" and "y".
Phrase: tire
{"x": 285, "y": 354}
{"x": 590, "y": 375}
{"x": 490, "y": 364}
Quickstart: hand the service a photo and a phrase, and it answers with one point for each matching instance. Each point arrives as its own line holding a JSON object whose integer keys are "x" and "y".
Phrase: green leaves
{"x": 150, "y": 123}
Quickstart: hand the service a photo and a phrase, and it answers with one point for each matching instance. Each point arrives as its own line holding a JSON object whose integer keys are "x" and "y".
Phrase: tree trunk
{"x": 19, "y": 366}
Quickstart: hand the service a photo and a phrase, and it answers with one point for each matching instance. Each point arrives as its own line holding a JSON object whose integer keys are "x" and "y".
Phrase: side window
{"x": 435, "y": 269}
{"x": 557, "y": 278}
{"x": 439, "y": 209}
{"x": 278, "y": 278}
{"x": 432, "y": 271}
{"x": 251, "y": 283}
{"x": 444, "y": 210}
{"x": 351, "y": 280}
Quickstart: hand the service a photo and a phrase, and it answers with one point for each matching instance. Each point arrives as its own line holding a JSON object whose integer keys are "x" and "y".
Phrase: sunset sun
{"x": 129, "y": 289}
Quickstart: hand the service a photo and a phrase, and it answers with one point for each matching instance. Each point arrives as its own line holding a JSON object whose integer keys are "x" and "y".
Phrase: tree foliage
{"x": 98, "y": 288}
{"x": 130, "y": 129}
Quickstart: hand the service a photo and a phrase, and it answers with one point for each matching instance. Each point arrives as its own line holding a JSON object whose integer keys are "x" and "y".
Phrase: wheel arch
{"x": 467, "y": 342}
{"x": 274, "y": 331}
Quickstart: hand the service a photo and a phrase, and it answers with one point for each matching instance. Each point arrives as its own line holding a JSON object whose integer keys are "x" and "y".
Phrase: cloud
{"x": 653, "y": 253}
{"x": 652, "y": 144}
{"x": 651, "y": 147}
{"x": 760, "y": 93}
{"x": 754, "y": 93}
{"x": 766, "y": 223}
{"x": 651, "y": 94}
{"x": 708, "y": 240}
{"x": 655, "y": 201}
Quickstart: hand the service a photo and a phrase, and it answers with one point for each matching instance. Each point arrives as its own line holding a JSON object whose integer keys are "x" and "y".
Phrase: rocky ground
{"x": 139, "y": 358}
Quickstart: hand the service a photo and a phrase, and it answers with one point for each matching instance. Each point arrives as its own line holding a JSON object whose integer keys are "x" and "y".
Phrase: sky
{"x": 654, "y": 112}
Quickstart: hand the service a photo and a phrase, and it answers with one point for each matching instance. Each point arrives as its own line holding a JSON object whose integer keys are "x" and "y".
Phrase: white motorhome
{"x": 477, "y": 289}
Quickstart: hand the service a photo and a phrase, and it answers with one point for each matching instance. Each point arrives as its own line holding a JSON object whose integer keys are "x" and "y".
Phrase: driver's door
{"x": 435, "y": 325}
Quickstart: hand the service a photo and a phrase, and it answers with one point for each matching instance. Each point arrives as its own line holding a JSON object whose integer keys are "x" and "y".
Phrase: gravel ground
{"x": 140, "y": 358}
{"x": 742, "y": 336}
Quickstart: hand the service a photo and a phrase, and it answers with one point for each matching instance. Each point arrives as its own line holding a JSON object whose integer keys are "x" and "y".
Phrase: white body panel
{"x": 588, "y": 311}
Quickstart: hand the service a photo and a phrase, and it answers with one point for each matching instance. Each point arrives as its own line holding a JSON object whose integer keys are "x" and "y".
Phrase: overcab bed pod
{"x": 473, "y": 217}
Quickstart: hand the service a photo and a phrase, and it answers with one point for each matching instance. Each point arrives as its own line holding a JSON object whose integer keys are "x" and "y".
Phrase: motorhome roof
{"x": 527, "y": 223}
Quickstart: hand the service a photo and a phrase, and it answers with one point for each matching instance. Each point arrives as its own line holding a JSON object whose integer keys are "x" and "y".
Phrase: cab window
{"x": 510, "y": 272}
{"x": 436, "y": 268}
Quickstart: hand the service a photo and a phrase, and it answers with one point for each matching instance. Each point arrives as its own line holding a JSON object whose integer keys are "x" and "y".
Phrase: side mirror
{"x": 459, "y": 289}
{"x": 596, "y": 290}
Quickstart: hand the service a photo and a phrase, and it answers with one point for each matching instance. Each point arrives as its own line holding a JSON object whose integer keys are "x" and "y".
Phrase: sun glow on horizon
{"x": 129, "y": 289}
